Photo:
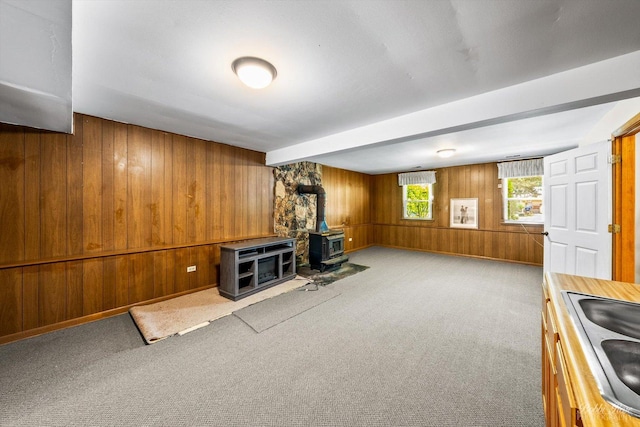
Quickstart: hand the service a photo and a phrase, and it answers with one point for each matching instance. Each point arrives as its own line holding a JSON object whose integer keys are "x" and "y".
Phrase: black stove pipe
{"x": 321, "y": 224}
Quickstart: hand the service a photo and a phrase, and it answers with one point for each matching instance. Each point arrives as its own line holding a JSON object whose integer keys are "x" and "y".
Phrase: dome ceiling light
{"x": 254, "y": 72}
{"x": 447, "y": 152}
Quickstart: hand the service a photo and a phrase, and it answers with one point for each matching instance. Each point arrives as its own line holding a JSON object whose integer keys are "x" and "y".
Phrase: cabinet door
{"x": 566, "y": 401}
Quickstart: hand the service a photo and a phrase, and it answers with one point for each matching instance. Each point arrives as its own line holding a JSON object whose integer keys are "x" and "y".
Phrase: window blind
{"x": 422, "y": 177}
{"x": 532, "y": 167}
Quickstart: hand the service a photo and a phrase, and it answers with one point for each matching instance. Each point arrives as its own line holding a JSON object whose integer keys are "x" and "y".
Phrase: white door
{"x": 578, "y": 203}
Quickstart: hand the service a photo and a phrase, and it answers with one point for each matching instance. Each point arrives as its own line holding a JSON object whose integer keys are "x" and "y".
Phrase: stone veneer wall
{"x": 295, "y": 214}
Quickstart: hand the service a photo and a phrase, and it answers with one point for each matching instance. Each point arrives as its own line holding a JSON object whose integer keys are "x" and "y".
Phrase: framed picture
{"x": 464, "y": 213}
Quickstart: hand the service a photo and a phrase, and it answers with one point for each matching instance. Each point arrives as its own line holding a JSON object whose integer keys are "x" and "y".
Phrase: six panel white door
{"x": 577, "y": 188}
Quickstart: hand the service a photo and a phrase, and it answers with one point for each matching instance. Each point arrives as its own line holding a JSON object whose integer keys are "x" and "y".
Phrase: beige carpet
{"x": 189, "y": 312}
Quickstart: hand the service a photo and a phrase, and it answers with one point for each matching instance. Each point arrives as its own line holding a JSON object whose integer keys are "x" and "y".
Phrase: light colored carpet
{"x": 193, "y": 311}
{"x": 416, "y": 340}
{"x": 269, "y": 313}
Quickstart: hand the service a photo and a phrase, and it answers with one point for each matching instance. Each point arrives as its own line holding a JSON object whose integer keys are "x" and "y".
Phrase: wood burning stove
{"x": 326, "y": 246}
{"x": 326, "y": 250}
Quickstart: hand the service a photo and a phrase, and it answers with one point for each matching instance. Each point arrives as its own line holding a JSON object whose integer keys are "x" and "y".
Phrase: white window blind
{"x": 534, "y": 167}
{"x": 422, "y": 177}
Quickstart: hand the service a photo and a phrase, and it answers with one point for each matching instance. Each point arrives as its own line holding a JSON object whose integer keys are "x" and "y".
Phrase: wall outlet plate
{"x": 191, "y": 269}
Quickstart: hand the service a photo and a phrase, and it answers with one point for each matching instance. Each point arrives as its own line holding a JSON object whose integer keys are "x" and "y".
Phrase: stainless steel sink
{"x": 625, "y": 359}
{"x": 617, "y": 316}
{"x": 609, "y": 332}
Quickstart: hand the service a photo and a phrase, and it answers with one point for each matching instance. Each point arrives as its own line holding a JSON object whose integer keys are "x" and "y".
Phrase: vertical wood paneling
{"x": 182, "y": 261}
{"x": 112, "y": 187}
{"x": 75, "y": 289}
{"x": 10, "y": 301}
{"x": 52, "y": 294}
{"x": 12, "y": 193}
{"x": 198, "y": 192}
{"x": 167, "y": 219}
{"x": 180, "y": 191}
{"x": 139, "y": 187}
{"x": 109, "y": 273}
{"x": 108, "y": 186}
{"x": 269, "y": 202}
{"x": 253, "y": 190}
{"x": 170, "y": 277}
{"x": 122, "y": 281}
{"x": 30, "y": 298}
{"x": 120, "y": 186}
{"x": 141, "y": 273}
{"x": 74, "y": 188}
{"x": 32, "y": 196}
{"x": 160, "y": 287}
{"x": 214, "y": 200}
{"x": 93, "y": 292}
{"x": 92, "y": 181}
{"x": 226, "y": 193}
{"x": 157, "y": 206}
{"x": 347, "y": 207}
{"x": 239, "y": 185}
{"x": 493, "y": 239}
{"x": 53, "y": 185}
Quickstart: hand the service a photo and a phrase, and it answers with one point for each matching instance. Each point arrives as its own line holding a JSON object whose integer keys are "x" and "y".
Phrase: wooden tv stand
{"x": 254, "y": 265}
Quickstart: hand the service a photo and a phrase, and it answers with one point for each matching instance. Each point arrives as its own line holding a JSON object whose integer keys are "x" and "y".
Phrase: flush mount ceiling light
{"x": 447, "y": 152}
{"x": 254, "y": 72}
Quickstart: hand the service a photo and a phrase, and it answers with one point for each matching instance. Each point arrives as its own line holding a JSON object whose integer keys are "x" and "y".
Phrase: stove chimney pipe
{"x": 321, "y": 224}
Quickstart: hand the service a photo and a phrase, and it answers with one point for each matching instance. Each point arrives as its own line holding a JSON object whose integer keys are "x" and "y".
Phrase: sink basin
{"x": 617, "y": 316}
{"x": 625, "y": 359}
{"x": 609, "y": 331}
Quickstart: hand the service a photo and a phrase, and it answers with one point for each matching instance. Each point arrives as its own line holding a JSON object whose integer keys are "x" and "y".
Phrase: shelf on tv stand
{"x": 240, "y": 265}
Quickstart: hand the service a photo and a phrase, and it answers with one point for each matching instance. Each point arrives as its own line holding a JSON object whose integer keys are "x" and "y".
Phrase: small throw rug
{"x": 271, "y": 312}
{"x": 327, "y": 277}
{"x": 192, "y": 311}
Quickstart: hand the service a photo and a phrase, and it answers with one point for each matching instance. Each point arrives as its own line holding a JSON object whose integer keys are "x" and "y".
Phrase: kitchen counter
{"x": 591, "y": 410}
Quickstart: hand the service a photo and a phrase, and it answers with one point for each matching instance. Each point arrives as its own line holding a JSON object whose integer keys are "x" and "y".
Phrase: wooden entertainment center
{"x": 252, "y": 266}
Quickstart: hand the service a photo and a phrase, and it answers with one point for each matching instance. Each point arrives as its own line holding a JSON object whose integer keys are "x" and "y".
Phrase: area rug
{"x": 323, "y": 279}
{"x": 271, "y": 312}
{"x": 193, "y": 311}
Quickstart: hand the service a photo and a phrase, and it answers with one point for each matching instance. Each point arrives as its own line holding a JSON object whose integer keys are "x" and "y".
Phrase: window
{"x": 417, "y": 201}
{"x": 523, "y": 199}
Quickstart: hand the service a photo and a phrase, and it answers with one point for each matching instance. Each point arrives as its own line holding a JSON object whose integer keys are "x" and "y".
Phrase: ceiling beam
{"x": 606, "y": 81}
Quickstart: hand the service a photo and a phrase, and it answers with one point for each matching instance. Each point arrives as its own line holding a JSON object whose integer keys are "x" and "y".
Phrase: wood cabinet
{"x": 557, "y": 394}
{"x": 251, "y": 266}
{"x": 570, "y": 393}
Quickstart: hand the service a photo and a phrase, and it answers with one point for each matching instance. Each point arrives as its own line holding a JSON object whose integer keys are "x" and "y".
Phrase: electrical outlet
{"x": 191, "y": 269}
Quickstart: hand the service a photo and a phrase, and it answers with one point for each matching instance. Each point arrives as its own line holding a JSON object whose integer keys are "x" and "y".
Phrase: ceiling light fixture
{"x": 447, "y": 152}
{"x": 254, "y": 72}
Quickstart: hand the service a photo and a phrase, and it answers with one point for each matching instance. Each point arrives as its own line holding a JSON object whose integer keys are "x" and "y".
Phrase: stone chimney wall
{"x": 295, "y": 214}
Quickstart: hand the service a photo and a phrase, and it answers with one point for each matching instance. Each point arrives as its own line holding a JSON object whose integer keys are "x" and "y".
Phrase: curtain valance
{"x": 532, "y": 167}
{"x": 422, "y": 177}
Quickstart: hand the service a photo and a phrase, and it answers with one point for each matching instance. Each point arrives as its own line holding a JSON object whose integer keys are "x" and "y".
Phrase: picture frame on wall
{"x": 464, "y": 213}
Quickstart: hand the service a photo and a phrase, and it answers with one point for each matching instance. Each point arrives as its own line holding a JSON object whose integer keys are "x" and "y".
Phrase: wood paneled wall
{"x": 492, "y": 239}
{"x": 349, "y": 205}
{"x": 112, "y": 216}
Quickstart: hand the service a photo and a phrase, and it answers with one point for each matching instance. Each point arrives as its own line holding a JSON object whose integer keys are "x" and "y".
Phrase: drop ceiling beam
{"x": 606, "y": 81}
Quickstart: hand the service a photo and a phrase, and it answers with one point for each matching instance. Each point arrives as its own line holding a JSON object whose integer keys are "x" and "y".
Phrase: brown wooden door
{"x": 624, "y": 210}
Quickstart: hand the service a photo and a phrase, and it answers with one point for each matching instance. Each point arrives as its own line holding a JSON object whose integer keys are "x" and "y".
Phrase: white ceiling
{"x": 371, "y": 86}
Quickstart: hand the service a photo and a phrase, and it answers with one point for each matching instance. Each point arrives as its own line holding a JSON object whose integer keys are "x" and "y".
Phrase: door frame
{"x": 624, "y": 209}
